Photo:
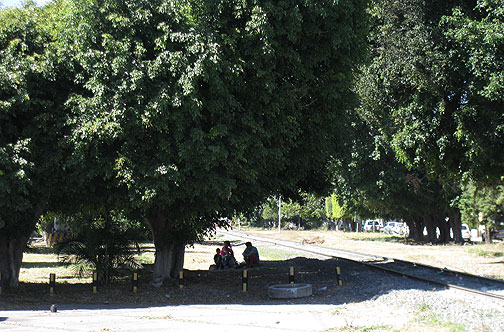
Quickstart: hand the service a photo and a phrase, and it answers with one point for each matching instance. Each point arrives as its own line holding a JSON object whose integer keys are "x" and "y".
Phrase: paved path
{"x": 207, "y": 318}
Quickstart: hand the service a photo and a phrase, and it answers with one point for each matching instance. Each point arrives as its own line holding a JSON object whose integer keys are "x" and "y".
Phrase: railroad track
{"x": 443, "y": 277}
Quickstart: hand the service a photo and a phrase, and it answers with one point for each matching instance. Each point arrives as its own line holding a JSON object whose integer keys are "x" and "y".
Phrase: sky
{"x": 17, "y": 3}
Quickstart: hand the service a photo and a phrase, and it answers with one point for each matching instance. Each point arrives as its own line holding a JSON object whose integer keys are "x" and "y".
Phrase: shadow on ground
{"x": 221, "y": 287}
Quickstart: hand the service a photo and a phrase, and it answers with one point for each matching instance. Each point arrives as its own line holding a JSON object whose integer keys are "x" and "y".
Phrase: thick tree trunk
{"x": 415, "y": 225}
{"x": 456, "y": 226}
{"x": 170, "y": 250}
{"x": 488, "y": 237}
{"x": 431, "y": 228}
{"x": 444, "y": 229}
{"x": 12, "y": 246}
{"x": 11, "y": 256}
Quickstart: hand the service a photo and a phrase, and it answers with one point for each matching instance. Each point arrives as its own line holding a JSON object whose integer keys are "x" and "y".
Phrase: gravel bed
{"x": 373, "y": 298}
{"x": 421, "y": 300}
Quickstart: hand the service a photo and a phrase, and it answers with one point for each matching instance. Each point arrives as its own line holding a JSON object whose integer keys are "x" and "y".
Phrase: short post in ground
{"x": 338, "y": 276}
{"x": 95, "y": 282}
{"x": 134, "y": 282}
{"x": 181, "y": 279}
{"x": 1, "y": 284}
{"x": 291, "y": 275}
{"x": 245, "y": 281}
{"x": 52, "y": 283}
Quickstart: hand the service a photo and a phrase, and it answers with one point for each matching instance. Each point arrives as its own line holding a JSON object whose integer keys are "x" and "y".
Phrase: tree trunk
{"x": 488, "y": 237}
{"x": 415, "y": 225}
{"x": 170, "y": 251}
{"x": 431, "y": 228}
{"x": 12, "y": 246}
{"x": 456, "y": 226}
{"x": 444, "y": 228}
{"x": 11, "y": 256}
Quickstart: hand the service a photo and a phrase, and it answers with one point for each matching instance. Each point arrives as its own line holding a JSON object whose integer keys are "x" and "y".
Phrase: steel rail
{"x": 445, "y": 270}
{"x": 377, "y": 259}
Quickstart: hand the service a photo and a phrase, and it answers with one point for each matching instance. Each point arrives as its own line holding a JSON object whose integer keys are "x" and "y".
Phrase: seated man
{"x": 251, "y": 255}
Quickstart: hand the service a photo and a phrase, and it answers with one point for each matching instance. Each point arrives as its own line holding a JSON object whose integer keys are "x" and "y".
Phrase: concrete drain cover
{"x": 289, "y": 291}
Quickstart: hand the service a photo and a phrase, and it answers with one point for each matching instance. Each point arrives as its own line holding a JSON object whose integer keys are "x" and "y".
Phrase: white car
{"x": 400, "y": 228}
{"x": 389, "y": 227}
{"x": 373, "y": 225}
{"x": 466, "y": 233}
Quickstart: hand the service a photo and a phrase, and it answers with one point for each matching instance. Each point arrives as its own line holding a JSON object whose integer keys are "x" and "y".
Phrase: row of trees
{"x": 425, "y": 143}
{"x": 175, "y": 112}
{"x": 429, "y": 131}
{"x": 180, "y": 113}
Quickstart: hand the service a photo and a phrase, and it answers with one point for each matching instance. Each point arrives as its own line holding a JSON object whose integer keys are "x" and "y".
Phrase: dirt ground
{"x": 204, "y": 286}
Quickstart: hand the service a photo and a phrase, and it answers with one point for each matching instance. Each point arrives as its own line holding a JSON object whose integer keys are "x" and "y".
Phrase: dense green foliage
{"x": 432, "y": 118}
{"x": 183, "y": 112}
{"x": 33, "y": 90}
{"x": 482, "y": 205}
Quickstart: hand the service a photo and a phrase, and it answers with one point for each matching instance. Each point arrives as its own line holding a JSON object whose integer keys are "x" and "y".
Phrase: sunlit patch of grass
{"x": 486, "y": 251}
{"x": 424, "y": 307}
{"x": 36, "y": 268}
{"x": 427, "y": 320}
{"x": 433, "y": 320}
{"x": 273, "y": 254}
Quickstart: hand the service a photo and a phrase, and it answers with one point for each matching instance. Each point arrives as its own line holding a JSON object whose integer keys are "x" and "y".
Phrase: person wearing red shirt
{"x": 227, "y": 254}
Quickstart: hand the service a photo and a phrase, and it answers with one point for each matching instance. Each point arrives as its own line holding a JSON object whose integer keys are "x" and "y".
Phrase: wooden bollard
{"x": 134, "y": 282}
{"x": 338, "y": 276}
{"x": 291, "y": 275}
{"x": 52, "y": 283}
{"x": 181, "y": 279}
{"x": 95, "y": 282}
{"x": 1, "y": 284}
{"x": 245, "y": 281}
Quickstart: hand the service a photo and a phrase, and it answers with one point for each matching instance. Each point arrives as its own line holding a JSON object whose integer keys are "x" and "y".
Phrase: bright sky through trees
{"x": 17, "y": 3}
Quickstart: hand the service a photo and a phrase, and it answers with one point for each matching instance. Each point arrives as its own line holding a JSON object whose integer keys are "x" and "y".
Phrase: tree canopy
{"x": 183, "y": 112}
{"x": 432, "y": 86}
{"x": 33, "y": 90}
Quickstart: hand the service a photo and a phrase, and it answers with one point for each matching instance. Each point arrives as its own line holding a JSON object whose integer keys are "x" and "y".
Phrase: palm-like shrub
{"x": 103, "y": 245}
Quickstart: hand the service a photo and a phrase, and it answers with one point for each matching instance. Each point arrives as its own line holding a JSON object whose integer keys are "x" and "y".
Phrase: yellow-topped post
{"x": 181, "y": 279}
{"x": 95, "y": 282}
{"x": 245, "y": 281}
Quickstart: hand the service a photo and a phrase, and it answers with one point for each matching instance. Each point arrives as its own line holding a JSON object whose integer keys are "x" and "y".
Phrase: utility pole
{"x": 279, "y": 211}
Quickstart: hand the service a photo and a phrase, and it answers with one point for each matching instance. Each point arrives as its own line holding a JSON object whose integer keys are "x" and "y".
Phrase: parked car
{"x": 400, "y": 228}
{"x": 373, "y": 225}
{"x": 396, "y": 227}
{"x": 466, "y": 233}
{"x": 497, "y": 234}
{"x": 389, "y": 227}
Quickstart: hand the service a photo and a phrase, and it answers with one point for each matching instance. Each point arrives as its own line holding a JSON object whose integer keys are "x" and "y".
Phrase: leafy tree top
{"x": 205, "y": 106}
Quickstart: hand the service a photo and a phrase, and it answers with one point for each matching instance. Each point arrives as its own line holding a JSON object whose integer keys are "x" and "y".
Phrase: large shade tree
{"x": 33, "y": 90}
{"x": 203, "y": 108}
